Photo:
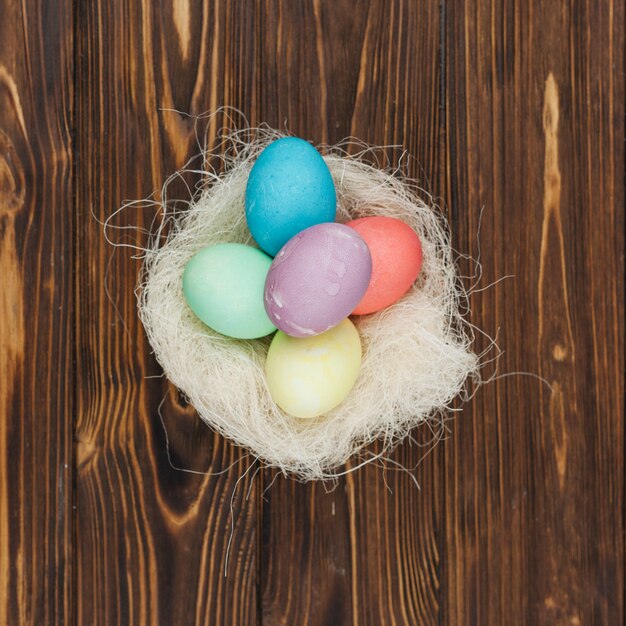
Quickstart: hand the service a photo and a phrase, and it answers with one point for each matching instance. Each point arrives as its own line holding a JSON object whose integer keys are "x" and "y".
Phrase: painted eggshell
{"x": 310, "y": 376}
{"x": 289, "y": 189}
{"x": 317, "y": 279}
{"x": 223, "y": 285}
{"x": 396, "y": 260}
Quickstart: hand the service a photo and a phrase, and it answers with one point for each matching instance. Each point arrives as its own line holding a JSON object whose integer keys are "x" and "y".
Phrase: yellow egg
{"x": 309, "y": 376}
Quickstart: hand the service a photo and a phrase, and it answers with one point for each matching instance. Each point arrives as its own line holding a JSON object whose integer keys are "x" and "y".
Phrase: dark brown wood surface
{"x": 513, "y": 114}
{"x": 37, "y": 313}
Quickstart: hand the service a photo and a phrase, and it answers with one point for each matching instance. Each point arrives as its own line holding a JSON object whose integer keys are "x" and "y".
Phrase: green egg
{"x": 223, "y": 285}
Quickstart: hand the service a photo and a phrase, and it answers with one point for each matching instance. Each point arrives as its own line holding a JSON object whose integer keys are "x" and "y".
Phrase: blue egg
{"x": 289, "y": 189}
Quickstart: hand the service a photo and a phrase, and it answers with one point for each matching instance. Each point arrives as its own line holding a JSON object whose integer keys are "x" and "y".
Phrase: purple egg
{"x": 317, "y": 279}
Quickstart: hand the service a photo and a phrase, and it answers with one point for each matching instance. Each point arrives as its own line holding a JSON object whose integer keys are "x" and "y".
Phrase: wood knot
{"x": 12, "y": 178}
{"x": 551, "y": 106}
{"x": 85, "y": 453}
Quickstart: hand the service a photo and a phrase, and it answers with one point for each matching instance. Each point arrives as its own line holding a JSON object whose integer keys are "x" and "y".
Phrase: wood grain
{"x": 395, "y": 521}
{"x": 534, "y": 475}
{"x": 354, "y": 541}
{"x": 513, "y": 114}
{"x": 36, "y": 313}
{"x": 151, "y": 541}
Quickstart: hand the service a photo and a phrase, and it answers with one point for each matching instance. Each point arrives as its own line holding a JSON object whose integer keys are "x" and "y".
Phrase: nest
{"x": 417, "y": 353}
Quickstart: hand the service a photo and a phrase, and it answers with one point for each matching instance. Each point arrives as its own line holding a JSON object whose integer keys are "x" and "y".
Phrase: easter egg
{"x": 289, "y": 189}
{"x": 396, "y": 260}
{"x": 310, "y": 376}
{"x": 223, "y": 285}
{"x": 317, "y": 279}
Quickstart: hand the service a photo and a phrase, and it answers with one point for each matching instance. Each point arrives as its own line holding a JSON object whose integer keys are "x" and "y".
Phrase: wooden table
{"x": 511, "y": 110}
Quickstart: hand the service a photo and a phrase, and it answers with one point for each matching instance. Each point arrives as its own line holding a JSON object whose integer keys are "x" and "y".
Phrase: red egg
{"x": 396, "y": 260}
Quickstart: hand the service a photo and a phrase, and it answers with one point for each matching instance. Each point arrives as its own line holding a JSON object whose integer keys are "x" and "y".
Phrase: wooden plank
{"x": 308, "y": 81}
{"x": 396, "y": 527}
{"x": 152, "y": 541}
{"x": 36, "y": 318}
{"x": 360, "y": 554}
{"x": 535, "y": 476}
